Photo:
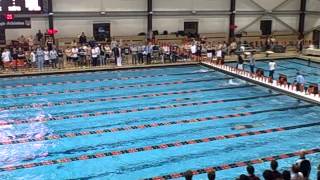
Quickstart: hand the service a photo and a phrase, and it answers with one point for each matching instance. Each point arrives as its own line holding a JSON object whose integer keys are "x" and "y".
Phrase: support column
{"x": 302, "y": 16}
{"x": 50, "y": 12}
{"x": 232, "y": 19}
{"x": 150, "y": 9}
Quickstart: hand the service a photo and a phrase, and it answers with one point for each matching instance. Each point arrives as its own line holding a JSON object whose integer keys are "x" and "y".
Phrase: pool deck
{"x": 289, "y": 54}
{"x": 90, "y": 69}
{"x": 263, "y": 81}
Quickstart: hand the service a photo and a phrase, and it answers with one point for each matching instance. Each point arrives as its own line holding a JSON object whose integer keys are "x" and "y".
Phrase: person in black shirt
{"x": 199, "y": 52}
{"x": 39, "y": 36}
{"x": 188, "y": 175}
{"x": 82, "y": 39}
{"x": 251, "y": 175}
{"x": 14, "y": 55}
{"x": 304, "y": 165}
{"x": 275, "y": 173}
{"x": 60, "y": 60}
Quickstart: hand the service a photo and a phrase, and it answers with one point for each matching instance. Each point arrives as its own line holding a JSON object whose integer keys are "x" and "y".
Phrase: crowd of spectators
{"x": 41, "y": 53}
{"x": 300, "y": 170}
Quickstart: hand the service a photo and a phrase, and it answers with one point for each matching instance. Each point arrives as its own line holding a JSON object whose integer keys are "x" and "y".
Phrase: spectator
{"x": 21, "y": 39}
{"x": 148, "y": 50}
{"x": 54, "y": 58}
{"x": 296, "y": 174}
{"x": 188, "y": 175}
{"x": 50, "y": 42}
{"x": 60, "y": 60}
{"x": 40, "y": 58}
{"x": 274, "y": 166}
{"x": 134, "y": 51}
{"x": 286, "y": 175}
{"x": 82, "y": 39}
{"x": 212, "y": 175}
{"x": 68, "y": 53}
{"x": 140, "y": 54}
{"x": 300, "y": 82}
{"x": 32, "y": 58}
{"x": 118, "y": 55}
{"x": 39, "y": 36}
{"x": 251, "y": 175}
{"x": 243, "y": 177}
{"x": 240, "y": 62}
{"x": 267, "y": 175}
{"x": 272, "y": 68}
{"x": 95, "y": 52}
{"x": 46, "y": 56}
{"x": 252, "y": 62}
{"x": 304, "y": 165}
{"x": 30, "y": 42}
{"x": 75, "y": 55}
{"x": 6, "y": 57}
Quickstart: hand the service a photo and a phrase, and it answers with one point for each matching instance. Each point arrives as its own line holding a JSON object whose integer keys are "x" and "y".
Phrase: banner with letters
{"x": 16, "y": 23}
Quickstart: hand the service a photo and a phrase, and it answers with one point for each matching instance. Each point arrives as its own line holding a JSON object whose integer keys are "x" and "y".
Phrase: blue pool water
{"x": 290, "y": 67}
{"x": 57, "y": 106}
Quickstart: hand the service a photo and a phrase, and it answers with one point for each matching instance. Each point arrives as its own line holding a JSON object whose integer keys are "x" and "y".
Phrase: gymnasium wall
{"x": 72, "y": 26}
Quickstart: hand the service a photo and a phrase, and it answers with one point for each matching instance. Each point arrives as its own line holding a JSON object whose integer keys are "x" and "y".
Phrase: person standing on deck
{"x": 272, "y": 68}
{"x": 252, "y": 62}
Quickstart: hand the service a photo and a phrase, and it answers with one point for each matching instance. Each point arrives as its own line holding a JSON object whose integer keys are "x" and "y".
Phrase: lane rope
{"x": 145, "y": 126}
{"x": 124, "y": 111}
{"x": 154, "y": 147}
{"x": 237, "y": 164}
{"x": 87, "y": 101}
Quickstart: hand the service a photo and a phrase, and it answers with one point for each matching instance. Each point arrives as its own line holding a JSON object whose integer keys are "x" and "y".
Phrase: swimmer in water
{"x": 242, "y": 127}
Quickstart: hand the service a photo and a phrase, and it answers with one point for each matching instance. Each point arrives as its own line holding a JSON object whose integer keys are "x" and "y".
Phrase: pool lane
{"x": 22, "y": 140}
{"x": 164, "y": 159}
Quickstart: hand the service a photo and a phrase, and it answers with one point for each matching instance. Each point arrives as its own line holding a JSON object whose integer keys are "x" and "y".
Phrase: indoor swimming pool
{"x": 148, "y": 123}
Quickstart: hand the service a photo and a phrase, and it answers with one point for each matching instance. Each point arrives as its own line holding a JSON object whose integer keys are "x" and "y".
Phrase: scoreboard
{"x": 23, "y": 6}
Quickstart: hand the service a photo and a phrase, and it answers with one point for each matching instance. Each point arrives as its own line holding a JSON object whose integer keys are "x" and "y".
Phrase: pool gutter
{"x": 71, "y": 71}
{"x": 262, "y": 82}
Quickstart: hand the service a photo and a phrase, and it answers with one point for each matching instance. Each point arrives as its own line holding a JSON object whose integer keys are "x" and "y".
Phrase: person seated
{"x": 267, "y": 175}
{"x": 286, "y": 175}
{"x": 304, "y": 165}
{"x": 275, "y": 173}
{"x": 300, "y": 81}
{"x": 21, "y": 39}
{"x": 296, "y": 174}
{"x": 251, "y": 175}
{"x": 243, "y": 177}
{"x": 188, "y": 175}
{"x": 212, "y": 175}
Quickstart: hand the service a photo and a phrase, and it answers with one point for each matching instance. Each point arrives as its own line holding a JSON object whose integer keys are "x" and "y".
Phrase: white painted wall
{"x": 70, "y": 27}
{"x": 206, "y": 25}
{"x": 313, "y": 5}
{"x": 242, "y": 21}
{"x": 99, "y": 5}
{"x": 312, "y": 21}
{"x": 189, "y": 5}
{"x": 36, "y": 24}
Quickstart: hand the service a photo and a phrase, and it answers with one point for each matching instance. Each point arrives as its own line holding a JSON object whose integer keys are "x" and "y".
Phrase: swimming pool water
{"x": 145, "y": 123}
